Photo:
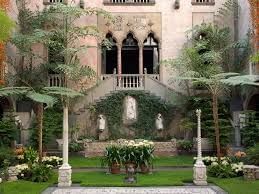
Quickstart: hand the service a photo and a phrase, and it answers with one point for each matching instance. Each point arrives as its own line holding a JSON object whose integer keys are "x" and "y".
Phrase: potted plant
{"x": 145, "y": 150}
{"x": 113, "y": 158}
{"x": 129, "y": 155}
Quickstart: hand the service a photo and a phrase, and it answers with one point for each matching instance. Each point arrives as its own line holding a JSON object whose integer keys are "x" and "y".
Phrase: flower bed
{"x": 225, "y": 167}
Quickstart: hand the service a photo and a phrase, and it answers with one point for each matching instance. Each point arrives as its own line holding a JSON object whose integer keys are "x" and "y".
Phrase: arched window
{"x": 130, "y": 55}
{"x": 151, "y": 55}
{"x": 109, "y": 56}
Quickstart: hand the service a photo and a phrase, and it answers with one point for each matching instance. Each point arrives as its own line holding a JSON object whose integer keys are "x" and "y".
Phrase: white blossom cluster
{"x": 136, "y": 143}
{"x": 238, "y": 167}
{"x": 52, "y": 160}
{"x": 20, "y": 167}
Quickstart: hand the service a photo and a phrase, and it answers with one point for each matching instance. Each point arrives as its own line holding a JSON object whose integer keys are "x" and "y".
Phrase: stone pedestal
{"x": 64, "y": 176}
{"x": 12, "y": 174}
{"x": 199, "y": 174}
{"x": 250, "y": 172}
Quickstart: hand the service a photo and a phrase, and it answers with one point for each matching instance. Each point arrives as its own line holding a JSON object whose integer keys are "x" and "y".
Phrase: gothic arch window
{"x": 151, "y": 55}
{"x": 109, "y": 56}
{"x": 130, "y": 55}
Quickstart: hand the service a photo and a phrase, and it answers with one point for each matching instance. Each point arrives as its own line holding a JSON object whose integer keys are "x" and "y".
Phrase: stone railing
{"x": 203, "y": 2}
{"x": 93, "y": 149}
{"x": 56, "y": 80}
{"x": 129, "y": 82}
{"x": 48, "y": 2}
{"x": 129, "y": 2}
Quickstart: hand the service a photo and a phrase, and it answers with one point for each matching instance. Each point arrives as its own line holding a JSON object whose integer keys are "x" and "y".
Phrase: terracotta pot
{"x": 144, "y": 169}
{"x": 115, "y": 168}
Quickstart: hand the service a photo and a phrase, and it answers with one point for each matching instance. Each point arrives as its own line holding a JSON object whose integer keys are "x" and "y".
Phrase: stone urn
{"x": 12, "y": 173}
{"x": 144, "y": 168}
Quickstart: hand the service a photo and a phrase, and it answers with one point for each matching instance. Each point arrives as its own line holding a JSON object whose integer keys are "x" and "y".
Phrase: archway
{"x": 109, "y": 56}
{"x": 130, "y": 55}
{"x": 151, "y": 55}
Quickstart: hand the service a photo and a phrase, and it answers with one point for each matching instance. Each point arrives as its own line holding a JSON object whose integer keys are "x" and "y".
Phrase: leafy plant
{"x": 75, "y": 146}
{"x": 30, "y": 156}
{"x": 221, "y": 171}
{"x": 41, "y": 173}
{"x": 7, "y": 157}
{"x": 185, "y": 145}
{"x": 253, "y": 155}
{"x": 113, "y": 155}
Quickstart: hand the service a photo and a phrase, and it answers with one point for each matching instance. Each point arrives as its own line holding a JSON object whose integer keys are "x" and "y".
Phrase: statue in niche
{"x": 159, "y": 122}
{"x": 101, "y": 123}
{"x": 130, "y": 110}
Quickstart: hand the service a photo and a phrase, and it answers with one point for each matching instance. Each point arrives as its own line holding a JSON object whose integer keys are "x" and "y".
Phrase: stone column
{"x": 119, "y": 47}
{"x": 64, "y": 173}
{"x": 140, "y": 59}
{"x": 199, "y": 169}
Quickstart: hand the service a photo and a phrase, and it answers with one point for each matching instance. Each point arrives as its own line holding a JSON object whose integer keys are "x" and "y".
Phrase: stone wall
{"x": 93, "y": 149}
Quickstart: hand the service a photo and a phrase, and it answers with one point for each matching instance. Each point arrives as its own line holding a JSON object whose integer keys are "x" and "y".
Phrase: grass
{"x": 237, "y": 185}
{"x": 176, "y": 178}
{"x": 80, "y": 162}
{"x": 156, "y": 179}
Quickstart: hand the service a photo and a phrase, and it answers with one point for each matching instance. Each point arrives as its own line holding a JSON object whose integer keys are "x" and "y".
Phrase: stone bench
{"x": 251, "y": 172}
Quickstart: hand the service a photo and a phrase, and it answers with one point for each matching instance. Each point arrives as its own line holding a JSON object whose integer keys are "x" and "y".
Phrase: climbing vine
{"x": 148, "y": 106}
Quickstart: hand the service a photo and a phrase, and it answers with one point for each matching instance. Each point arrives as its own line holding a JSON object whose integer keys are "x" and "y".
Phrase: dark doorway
{"x": 151, "y": 55}
{"x": 130, "y": 55}
{"x": 109, "y": 56}
{"x": 254, "y": 104}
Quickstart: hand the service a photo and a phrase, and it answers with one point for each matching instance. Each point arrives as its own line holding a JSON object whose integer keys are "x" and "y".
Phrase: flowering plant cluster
{"x": 130, "y": 151}
{"x": 225, "y": 167}
{"x": 54, "y": 161}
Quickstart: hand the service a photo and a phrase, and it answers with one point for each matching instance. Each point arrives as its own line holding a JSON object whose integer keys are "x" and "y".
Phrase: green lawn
{"x": 80, "y": 162}
{"x": 233, "y": 186}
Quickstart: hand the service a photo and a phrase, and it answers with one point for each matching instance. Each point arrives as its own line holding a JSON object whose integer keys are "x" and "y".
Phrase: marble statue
{"x": 101, "y": 123}
{"x": 131, "y": 112}
{"x": 159, "y": 122}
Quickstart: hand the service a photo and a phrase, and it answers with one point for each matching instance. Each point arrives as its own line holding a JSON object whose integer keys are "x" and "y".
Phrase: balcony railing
{"x": 48, "y": 2}
{"x": 203, "y": 2}
{"x": 129, "y": 2}
{"x": 56, "y": 80}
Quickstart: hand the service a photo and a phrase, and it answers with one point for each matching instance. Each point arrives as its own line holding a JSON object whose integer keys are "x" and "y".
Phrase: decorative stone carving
{"x": 101, "y": 123}
{"x": 130, "y": 110}
{"x": 159, "y": 122}
{"x": 118, "y": 23}
{"x": 12, "y": 173}
{"x": 64, "y": 178}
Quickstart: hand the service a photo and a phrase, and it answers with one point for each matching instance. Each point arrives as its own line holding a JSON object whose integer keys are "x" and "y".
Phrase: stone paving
{"x": 137, "y": 190}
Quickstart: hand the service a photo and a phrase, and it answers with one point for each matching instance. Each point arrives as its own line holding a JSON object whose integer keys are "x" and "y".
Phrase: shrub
{"x": 253, "y": 155}
{"x": 112, "y": 155}
{"x": 221, "y": 171}
{"x": 30, "y": 156}
{"x": 75, "y": 146}
{"x": 7, "y": 157}
{"x": 8, "y": 131}
{"x": 54, "y": 161}
{"x": 185, "y": 145}
{"x": 41, "y": 173}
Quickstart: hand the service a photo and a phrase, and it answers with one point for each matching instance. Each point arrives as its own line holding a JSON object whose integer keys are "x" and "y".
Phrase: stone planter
{"x": 12, "y": 173}
{"x": 127, "y": 164}
{"x": 251, "y": 172}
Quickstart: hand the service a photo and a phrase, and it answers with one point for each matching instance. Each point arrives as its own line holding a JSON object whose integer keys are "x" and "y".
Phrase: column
{"x": 64, "y": 172}
{"x": 140, "y": 59}
{"x": 199, "y": 169}
{"x": 119, "y": 47}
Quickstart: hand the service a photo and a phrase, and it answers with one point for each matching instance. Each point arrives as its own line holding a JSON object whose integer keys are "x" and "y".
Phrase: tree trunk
{"x": 216, "y": 122}
{"x": 38, "y": 109}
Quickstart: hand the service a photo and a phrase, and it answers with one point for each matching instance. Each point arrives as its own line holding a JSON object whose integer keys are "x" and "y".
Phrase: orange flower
{"x": 240, "y": 154}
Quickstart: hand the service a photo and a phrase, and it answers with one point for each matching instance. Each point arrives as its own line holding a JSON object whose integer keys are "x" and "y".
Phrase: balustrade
{"x": 203, "y": 2}
{"x": 142, "y": 2}
{"x": 56, "y": 80}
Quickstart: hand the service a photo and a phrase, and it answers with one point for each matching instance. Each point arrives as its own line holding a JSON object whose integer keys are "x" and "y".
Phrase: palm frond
{"x": 12, "y": 91}
{"x": 62, "y": 91}
{"x": 242, "y": 80}
{"x": 42, "y": 98}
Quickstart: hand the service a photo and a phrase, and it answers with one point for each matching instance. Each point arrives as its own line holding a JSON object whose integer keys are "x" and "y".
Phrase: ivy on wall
{"x": 148, "y": 106}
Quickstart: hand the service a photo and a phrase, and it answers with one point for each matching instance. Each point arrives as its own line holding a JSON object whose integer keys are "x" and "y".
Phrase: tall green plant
{"x": 6, "y": 25}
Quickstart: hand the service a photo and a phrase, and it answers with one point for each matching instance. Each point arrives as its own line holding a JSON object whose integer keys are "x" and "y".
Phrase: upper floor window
{"x": 203, "y": 2}
{"x": 129, "y": 2}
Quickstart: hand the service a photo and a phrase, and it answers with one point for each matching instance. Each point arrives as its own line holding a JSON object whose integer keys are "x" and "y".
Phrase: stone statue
{"x": 131, "y": 112}
{"x": 101, "y": 123}
{"x": 159, "y": 122}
